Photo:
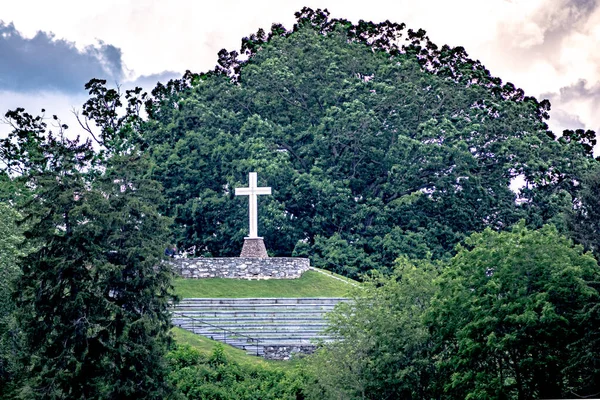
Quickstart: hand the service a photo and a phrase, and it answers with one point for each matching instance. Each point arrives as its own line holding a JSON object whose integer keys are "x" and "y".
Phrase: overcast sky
{"x": 48, "y": 50}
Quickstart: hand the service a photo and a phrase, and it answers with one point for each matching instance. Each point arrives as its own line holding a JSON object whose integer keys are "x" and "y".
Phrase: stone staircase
{"x": 268, "y": 327}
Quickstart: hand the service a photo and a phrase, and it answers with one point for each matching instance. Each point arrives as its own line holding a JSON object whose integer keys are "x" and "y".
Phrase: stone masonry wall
{"x": 285, "y": 352}
{"x": 241, "y": 267}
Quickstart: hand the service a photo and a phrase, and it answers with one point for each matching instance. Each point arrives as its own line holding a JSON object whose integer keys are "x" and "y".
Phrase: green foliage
{"x": 377, "y": 142}
{"x": 584, "y": 221}
{"x": 92, "y": 299}
{"x": 119, "y": 129}
{"x": 337, "y": 255}
{"x": 510, "y": 318}
{"x": 206, "y": 347}
{"x": 513, "y": 315}
{"x": 11, "y": 248}
{"x": 217, "y": 377}
{"x": 383, "y": 346}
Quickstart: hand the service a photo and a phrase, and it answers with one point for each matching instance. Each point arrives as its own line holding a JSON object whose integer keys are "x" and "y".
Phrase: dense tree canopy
{"x": 584, "y": 221}
{"x": 92, "y": 295}
{"x": 513, "y": 315}
{"x": 383, "y": 351}
{"x": 377, "y": 144}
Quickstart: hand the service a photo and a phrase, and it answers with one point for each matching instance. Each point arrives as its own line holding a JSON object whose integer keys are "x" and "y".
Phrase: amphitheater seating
{"x": 253, "y": 323}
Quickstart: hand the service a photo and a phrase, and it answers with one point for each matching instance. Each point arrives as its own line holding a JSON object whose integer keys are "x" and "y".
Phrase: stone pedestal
{"x": 254, "y": 248}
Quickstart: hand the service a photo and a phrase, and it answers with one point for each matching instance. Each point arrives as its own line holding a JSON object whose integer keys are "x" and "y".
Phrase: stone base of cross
{"x": 254, "y": 248}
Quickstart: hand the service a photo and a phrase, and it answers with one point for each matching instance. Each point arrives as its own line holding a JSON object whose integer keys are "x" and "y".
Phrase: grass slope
{"x": 310, "y": 284}
{"x": 207, "y": 346}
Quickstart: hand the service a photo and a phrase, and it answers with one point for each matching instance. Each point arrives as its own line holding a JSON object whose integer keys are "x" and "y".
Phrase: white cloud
{"x": 539, "y": 45}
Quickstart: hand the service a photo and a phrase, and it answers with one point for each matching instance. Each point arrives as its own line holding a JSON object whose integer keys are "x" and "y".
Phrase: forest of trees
{"x": 391, "y": 161}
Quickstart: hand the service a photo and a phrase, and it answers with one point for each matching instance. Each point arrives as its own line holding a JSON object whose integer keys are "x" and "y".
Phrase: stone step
{"x": 260, "y": 351}
{"x": 279, "y": 329}
{"x": 253, "y": 323}
{"x": 256, "y": 320}
{"x": 258, "y": 327}
{"x": 259, "y": 314}
{"x": 194, "y": 306}
{"x": 200, "y": 314}
{"x": 300, "y": 336}
{"x": 258, "y": 335}
{"x": 265, "y": 300}
{"x": 218, "y": 333}
{"x": 240, "y": 342}
{"x": 252, "y": 320}
{"x": 271, "y": 341}
{"x": 212, "y": 313}
{"x": 288, "y": 322}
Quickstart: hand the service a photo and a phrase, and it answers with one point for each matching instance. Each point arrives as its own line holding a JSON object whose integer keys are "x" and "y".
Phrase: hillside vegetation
{"x": 204, "y": 369}
{"x": 207, "y": 346}
{"x": 377, "y": 143}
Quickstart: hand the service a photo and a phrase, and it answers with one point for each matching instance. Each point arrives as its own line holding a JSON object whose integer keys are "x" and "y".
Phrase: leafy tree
{"x": 200, "y": 377}
{"x": 363, "y": 130}
{"x": 382, "y": 346}
{"x": 511, "y": 314}
{"x": 584, "y": 221}
{"x": 585, "y": 138}
{"x": 93, "y": 295}
{"x": 119, "y": 128}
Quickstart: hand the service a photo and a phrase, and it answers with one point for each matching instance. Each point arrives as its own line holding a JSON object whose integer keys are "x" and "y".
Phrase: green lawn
{"x": 310, "y": 284}
{"x": 206, "y": 346}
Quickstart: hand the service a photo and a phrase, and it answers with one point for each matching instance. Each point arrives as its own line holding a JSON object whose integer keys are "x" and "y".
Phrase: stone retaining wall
{"x": 285, "y": 352}
{"x": 241, "y": 268}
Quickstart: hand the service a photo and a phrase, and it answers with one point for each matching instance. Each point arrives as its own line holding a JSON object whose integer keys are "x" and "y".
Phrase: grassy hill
{"x": 206, "y": 346}
{"x": 311, "y": 284}
{"x": 314, "y": 283}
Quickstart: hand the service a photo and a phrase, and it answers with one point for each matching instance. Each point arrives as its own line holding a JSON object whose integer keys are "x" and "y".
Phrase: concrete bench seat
{"x": 257, "y": 307}
{"x": 257, "y": 328}
{"x": 259, "y": 335}
{"x": 265, "y": 300}
{"x": 250, "y": 314}
{"x": 219, "y": 320}
{"x": 276, "y": 323}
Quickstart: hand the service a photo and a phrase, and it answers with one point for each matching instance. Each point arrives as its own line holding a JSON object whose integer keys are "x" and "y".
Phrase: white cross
{"x": 252, "y": 191}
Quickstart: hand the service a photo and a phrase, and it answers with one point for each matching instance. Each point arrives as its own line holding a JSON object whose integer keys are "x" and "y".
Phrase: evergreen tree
{"x": 93, "y": 296}
{"x": 11, "y": 247}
